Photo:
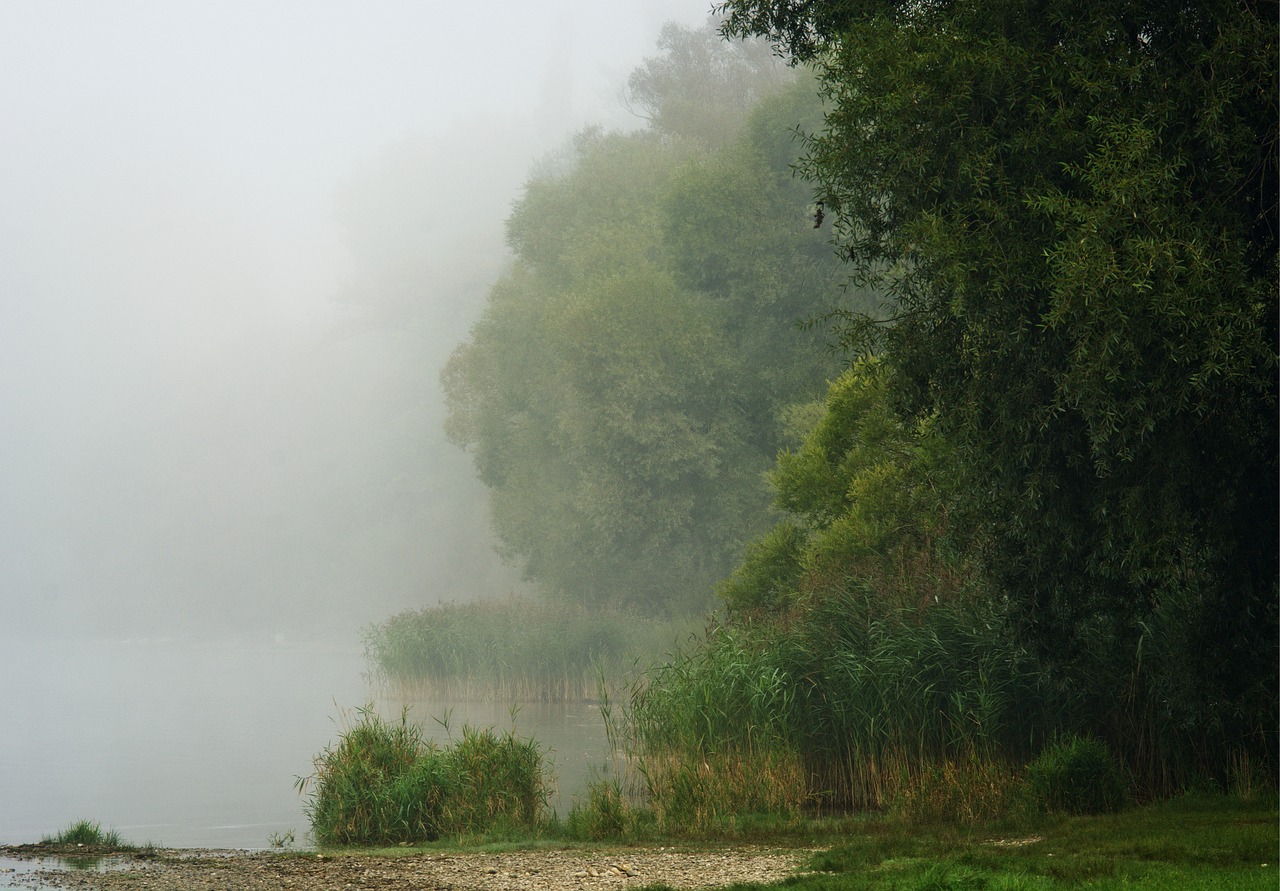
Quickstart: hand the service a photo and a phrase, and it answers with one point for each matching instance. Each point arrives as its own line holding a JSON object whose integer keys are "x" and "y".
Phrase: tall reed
{"x": 514, "y": 650}
{"x": 871, "y": 706}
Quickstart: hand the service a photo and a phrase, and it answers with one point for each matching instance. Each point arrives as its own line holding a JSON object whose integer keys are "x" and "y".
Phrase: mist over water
{"x": 237, "y": 243}
{"x": 176, "y": 743}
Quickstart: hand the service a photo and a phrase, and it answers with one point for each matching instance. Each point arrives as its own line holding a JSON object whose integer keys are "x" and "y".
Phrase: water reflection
{"x": 23, "y": 874}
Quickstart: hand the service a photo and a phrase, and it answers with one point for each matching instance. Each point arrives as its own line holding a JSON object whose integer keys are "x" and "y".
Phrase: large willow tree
{"x": 1074, "y": 204}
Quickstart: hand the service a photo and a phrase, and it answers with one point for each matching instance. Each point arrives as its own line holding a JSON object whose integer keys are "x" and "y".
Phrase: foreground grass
{"x": 1188, "y": 843}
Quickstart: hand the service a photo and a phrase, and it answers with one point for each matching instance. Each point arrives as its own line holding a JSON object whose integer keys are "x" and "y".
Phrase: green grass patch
{"x": 1205, "y": 842}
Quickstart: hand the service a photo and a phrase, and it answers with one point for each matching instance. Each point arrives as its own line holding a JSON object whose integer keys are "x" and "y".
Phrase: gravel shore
{"x": 175, "y": 870}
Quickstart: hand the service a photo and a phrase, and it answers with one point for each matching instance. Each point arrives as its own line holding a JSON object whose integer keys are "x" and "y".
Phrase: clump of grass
{"x": 1076, "y": 775}
{"x": 383, "y": 782}
{"x": 514, "y": 651}
{"x": 89, "y": 834}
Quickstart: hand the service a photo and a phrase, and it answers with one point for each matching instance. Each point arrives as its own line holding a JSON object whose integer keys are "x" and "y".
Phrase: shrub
{"x": 1076, "y": 775}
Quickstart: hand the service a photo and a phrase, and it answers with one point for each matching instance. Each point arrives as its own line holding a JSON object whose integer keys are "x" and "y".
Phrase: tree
{"x": 1075, "y": 207}
{"x": 865, "y": 501}
{"x": 621, "y": 394}
{"x": 699, "y": 89}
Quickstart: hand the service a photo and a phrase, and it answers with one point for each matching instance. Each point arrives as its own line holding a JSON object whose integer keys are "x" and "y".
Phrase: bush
{"x": 1076, "y": 775}
{"x": 383, "y": 783}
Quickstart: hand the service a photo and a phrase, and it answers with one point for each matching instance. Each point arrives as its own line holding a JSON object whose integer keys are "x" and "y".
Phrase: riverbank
{"x": 531, "y": 870}
{"x": 1194, "y": 841}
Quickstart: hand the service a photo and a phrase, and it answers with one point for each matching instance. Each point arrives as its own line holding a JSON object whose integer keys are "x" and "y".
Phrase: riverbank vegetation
{"x": 383, "y": 782}
{"x": 87, "y": 834}
{"x": 517, "y": 651}
{"x": 1189, "y": 842}
{"x": 1011, "y": 546}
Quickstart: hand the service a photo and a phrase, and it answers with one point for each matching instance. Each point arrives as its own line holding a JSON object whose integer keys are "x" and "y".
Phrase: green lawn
{"x": 1189, "y": 843}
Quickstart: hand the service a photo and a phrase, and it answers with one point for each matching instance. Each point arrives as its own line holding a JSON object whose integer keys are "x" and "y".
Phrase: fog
{"x": 237, "y": 242}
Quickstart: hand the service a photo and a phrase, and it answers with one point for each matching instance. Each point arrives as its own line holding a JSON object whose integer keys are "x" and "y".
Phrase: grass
{"x": 1193, "y": 842}
{"x": 89, "y": 834}
{"x": 514, "y": 651}
{"x": 877, "y": 709}
{"x": 384, "y": 783}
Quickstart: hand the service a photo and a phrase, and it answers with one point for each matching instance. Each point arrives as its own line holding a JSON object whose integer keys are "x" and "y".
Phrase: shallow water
{"x": 198, "y": 744}
{"x": 20, "y": 874}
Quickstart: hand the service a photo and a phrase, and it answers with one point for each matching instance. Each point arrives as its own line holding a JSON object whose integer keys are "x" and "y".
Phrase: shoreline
{"x": 179, "y": 869}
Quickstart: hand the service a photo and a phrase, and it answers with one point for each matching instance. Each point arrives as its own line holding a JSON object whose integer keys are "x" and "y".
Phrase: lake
{"x": 198, "y": 743}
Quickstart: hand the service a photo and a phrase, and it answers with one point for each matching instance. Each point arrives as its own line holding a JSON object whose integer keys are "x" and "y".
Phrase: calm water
{"x": 198, "y": 744}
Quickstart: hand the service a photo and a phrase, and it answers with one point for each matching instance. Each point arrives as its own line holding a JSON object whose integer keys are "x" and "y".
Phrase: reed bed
{"x": 876, "y": 711}
{"x": 515, "y": 651}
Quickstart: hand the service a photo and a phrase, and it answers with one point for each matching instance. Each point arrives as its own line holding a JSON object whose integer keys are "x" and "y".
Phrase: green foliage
{"x": 621, "y": 394}
{"x": 1212, "y": 843}
{"x": 868, "y": 703}
{"x": 769, "y": 575}
{"x": 1074, "y": 207}
{"x": 1076, "y": 775}
{"x": 383, "y": 783}
{"x": 698, "y": 89}
{"x": 866, "y": 497}
{"x": 605, "y": 814}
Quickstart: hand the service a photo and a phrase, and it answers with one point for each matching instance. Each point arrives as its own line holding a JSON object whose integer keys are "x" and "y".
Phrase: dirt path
{"x": 173, "y": 870}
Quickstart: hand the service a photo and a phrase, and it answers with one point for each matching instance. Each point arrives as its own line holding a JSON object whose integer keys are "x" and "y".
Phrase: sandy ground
{"x": 175, "y": 870}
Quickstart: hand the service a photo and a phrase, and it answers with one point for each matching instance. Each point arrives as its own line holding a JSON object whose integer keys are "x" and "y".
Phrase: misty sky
{"x": 237, "y": 241}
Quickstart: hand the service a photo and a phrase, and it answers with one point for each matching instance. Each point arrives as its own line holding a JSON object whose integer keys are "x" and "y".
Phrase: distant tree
{"x": 622, "y": 404}
{"x": 700, "y": 89}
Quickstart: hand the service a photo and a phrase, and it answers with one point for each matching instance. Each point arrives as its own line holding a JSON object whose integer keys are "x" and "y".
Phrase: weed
{"x": 605, "y": 814}
{"x": 281, "y": 841}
